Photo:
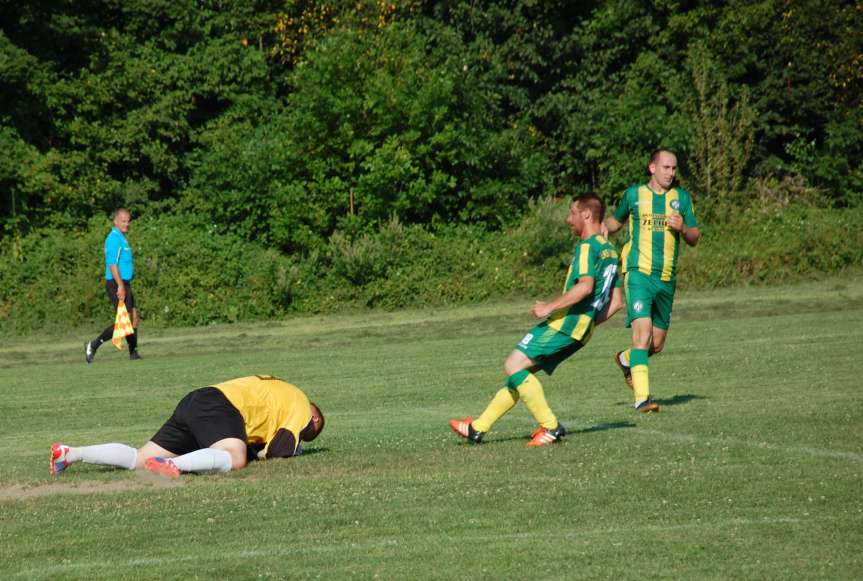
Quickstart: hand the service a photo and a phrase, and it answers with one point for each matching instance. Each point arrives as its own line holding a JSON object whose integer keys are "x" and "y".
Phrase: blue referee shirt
{"x": 118, "y": 251}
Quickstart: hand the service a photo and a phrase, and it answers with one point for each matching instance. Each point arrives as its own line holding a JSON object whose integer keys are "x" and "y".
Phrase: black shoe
{"x": 559, "y": 431}
{"x": 473, "y": 435}
{"x": 89, "y": 351}
{"x": 134, "y": 355}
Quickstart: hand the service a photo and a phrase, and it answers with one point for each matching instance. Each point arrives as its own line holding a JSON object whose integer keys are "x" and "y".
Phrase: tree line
{"x": 288, "y": 122}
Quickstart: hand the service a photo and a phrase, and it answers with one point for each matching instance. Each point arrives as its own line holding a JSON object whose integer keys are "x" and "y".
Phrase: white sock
{"x": 119, "y": 455}
{"x": 205, "y": 460}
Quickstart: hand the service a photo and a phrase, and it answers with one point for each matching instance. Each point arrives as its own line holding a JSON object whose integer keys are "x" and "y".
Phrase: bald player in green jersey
{"x": 660, "y": 215}
{"x": 568, "y": 323}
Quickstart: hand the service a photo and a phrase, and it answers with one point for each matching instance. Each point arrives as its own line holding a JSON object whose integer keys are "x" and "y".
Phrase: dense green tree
{"x": 110, "y": 95}
{"x": 292, "y": 118}
{"x": 338, "y": 130}
{"x": 803, "y": 61}
{"x": 413, "y": 129}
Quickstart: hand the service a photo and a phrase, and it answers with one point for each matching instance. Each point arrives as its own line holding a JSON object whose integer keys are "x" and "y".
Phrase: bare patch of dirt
{"x": 143, "y": 482}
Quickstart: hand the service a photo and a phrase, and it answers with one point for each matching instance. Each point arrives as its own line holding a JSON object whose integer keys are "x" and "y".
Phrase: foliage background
{"x": 292, "y": 155}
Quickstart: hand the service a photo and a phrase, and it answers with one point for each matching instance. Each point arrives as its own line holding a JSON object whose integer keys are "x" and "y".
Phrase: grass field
{"x": 751, "y": 471}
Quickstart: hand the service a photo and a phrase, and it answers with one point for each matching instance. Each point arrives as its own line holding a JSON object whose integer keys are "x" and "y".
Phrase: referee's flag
{"x": 122, "y": 326}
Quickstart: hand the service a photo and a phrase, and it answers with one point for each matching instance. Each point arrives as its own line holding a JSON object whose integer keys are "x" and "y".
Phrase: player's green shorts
{"x": 647, "y": 296}
{"x": 547, "y": 347}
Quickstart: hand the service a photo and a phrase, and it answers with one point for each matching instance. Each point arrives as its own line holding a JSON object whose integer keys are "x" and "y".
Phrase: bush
{"x": 188, "y": 275}
{"x": 543, "y": 234}
{"x": 771, "y": 247}
{"x": 185, "y": 275}
{"x": 401, "y": 266}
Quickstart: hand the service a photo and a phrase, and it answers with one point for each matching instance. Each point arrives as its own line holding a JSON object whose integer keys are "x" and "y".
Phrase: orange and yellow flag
{"x": 122, "y": 326}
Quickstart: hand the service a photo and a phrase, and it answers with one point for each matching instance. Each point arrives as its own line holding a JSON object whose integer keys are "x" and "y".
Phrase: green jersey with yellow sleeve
{"x": 594, "y": 257}
{"x": 653, "y": 247}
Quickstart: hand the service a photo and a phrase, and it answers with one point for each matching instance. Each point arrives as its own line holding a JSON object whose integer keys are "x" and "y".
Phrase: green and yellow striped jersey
{"x": 653, "y": 247}
{"x": 594, "y": 257}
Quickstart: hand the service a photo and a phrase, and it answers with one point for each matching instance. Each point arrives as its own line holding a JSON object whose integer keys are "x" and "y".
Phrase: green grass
{"x": 752, "y": 470}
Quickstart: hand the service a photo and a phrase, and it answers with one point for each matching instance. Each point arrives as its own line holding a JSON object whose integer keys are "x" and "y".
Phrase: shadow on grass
{"x": 604, "y": 427}
{"x": 597, "y": 428}
{"x": 671, "y": 401}
{"x": 680, "y": 399}
{"x": 310, "y": 451}
{"x": 252, "y": 454}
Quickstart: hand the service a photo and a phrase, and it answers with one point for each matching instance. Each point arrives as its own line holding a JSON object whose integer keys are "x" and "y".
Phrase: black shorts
{"x": 202, "y": 418}
{"x": 111, "y": 291}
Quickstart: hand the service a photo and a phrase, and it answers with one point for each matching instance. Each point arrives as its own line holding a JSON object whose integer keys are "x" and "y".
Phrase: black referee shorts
{"x": 111, "y": 291}
{"x": 202, "y": 418}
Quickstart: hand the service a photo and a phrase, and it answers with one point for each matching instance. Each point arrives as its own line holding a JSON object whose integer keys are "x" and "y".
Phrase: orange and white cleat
{"x": 647, "y": 406}
{"x": 464, "y": 429}
{"x": 543, "y": 436}
{"x": 162, "y": 466}
{"x": 58, "y": 459}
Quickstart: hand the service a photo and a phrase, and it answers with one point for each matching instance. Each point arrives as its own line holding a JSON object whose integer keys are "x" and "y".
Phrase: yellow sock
{"x": 533, "y": 397}
{"x": 640, "y": 376}
{"x": 626, "y": 356}
{"x": 640, "y": 382}
{"x": 503, "y": 401}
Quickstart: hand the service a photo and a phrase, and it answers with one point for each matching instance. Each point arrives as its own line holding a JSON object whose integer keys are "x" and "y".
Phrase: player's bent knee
{"x": 238, "y": 460}
{"x": 149, "y": 450}
{"x": 516, "y": 362}
{"x": 236, "y": 448}
{"x": 658, "y": 340}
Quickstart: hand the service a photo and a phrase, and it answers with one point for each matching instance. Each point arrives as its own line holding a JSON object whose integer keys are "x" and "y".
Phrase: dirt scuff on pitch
{"x": 12, "y": 493}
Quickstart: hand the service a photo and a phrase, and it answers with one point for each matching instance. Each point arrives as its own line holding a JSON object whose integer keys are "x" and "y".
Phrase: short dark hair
{"x": 592, "y": 202}
{"x": 655, "y": 155}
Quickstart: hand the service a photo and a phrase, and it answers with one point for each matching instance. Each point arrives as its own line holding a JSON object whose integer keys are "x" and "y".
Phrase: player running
{"x": 569, "y": 322}
{"x": 659, "y": 216}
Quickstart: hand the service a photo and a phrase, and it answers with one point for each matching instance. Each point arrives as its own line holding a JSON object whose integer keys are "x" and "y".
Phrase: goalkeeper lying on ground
{"x": 214, "y": 429}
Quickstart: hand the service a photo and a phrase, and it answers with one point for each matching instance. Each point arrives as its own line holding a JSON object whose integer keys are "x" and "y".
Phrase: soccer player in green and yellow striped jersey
{"x": 567, "y": 324}
{"x": 660, "y": 214}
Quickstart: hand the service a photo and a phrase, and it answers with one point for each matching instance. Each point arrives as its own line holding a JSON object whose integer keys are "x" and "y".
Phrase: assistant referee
{"x": 119, "y": 272}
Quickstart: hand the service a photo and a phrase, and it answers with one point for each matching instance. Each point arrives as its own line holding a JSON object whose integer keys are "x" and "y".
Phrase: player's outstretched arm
{"x": 583, "y": 288}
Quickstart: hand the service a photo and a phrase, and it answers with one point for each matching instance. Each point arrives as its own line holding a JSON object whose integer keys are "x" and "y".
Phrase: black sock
{"x": 105, "y": 336}
{"x": 132, "y": 341}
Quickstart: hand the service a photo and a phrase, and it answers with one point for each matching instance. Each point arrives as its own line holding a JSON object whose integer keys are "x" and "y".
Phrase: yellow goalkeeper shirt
{"x": 268, "y": 405}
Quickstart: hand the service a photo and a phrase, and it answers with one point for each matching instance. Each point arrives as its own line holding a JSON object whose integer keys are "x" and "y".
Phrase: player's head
{"x": 585, "y": 208}
{"x": 662, "y": 168}
{"x": 121, "y": 219}
{"x": 315, "y": 425}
